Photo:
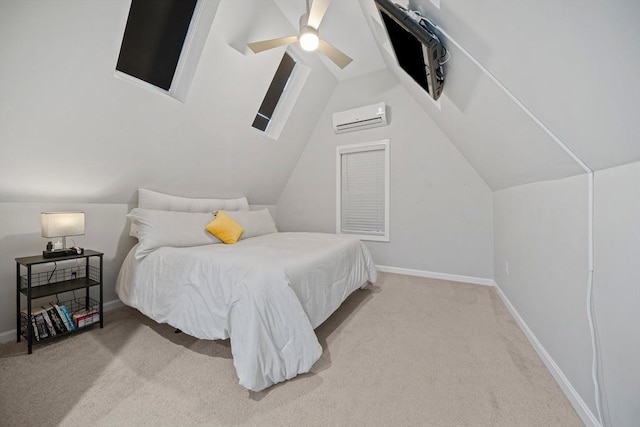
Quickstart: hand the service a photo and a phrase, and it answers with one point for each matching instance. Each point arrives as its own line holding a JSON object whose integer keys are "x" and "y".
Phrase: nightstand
{"x": 60, "y": 318}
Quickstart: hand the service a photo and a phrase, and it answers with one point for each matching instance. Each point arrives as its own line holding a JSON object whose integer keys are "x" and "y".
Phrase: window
{"x": 363, "y": 190}
{"x": 162, "y": 43}
{"x": 283, "y": 91}
{"x": 276, "y": 88}
{"x": 153, "y": 39}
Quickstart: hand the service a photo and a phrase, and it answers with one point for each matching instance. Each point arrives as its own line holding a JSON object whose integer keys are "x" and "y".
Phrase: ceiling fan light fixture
{"x": 308, "y": 38}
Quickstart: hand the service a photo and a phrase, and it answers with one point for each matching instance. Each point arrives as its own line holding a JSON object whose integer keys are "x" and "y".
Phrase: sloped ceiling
{"x": 573, "y": 65}
{"x": 70, "y": 130}
{"x": 345, "y": 26}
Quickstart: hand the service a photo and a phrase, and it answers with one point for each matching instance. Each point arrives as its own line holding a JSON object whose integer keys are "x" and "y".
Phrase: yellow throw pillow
{"x": 225, "y": 228}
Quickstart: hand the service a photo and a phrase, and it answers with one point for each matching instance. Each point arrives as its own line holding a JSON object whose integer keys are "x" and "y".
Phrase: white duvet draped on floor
{"x": 266, "y": 293}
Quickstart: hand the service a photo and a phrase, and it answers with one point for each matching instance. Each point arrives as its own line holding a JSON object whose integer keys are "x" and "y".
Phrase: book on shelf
{"x": 34, "y": 326}
{"x": 43, "y": 331}
{"x": 39, "y": 322}
{"x": 67, "y": 316}
{"x": 62, "y": 317}
{"x": 85, "y": 318}
{"x": 48, "y": 322}
{"x": 58, "y": 324}
{"x": 92, "y": 318}
{"x": 78, "y": 315}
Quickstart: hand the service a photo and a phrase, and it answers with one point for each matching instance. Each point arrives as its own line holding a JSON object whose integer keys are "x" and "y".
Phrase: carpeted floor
{"x": 409, "y": 352}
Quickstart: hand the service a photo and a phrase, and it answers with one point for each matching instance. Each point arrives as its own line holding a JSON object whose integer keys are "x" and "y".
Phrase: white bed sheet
{"x": 266, "y": 293}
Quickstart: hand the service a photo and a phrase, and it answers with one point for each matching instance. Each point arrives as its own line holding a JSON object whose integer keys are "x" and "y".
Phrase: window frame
{"x": 355, "y": 148}
{"x": 192, "y": 47}
{"x": 290, "y": 94}
{"x": 275, "y": 92}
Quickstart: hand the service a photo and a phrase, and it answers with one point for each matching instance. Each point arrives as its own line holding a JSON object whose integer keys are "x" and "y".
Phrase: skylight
{"x": 162, "y": 44}
{"x": 277, "y": 87}
{"x": 153, "y": 39}
{"x": 283, "y": 92}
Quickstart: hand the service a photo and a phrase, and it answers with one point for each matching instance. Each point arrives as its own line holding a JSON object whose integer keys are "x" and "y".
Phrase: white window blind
{"x": 363, "y": 190}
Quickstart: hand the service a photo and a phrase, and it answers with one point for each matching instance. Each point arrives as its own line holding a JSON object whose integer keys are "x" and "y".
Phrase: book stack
{"x": 55, "y": 320}
{"x": 85, "y": 317}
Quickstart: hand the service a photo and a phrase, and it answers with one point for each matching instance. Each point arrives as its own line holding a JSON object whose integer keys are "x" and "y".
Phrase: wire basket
{"x": 59, "y": 275}
{"x": 83, "y": 311}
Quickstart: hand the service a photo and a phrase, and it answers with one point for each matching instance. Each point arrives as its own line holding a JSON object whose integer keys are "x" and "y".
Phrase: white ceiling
{"x": 573, "y": 64}
{"x": 60, "y": 96}
{"x": 345, "y": 27}
{"x": 70, "y": 130}
{"x": 590, "y": 103}
{"x": 550, "y": 72}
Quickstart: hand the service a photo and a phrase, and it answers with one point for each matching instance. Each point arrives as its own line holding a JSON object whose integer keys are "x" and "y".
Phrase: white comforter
{"x": 266, "y": 293}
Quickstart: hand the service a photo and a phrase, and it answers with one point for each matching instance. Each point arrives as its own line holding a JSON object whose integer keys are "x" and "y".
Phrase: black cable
{"x": 55, "y": 266}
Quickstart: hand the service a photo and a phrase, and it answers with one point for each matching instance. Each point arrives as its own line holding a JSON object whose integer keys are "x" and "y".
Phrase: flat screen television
{"x": 416, "y": 47}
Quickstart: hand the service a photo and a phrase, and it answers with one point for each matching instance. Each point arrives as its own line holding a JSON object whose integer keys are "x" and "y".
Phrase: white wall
{"x": 71, "y": 131}
{"x": 541, "y": 231}
{"x": 20, "y": 235}
{"x": 106, "y": 230}
{"x": 440, "y": 209}
{"x": 617, "y": 290}
{"x": 74, "y": 136}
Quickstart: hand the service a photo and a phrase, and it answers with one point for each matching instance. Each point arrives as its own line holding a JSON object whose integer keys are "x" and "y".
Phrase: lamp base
{"x": 58, "y": 253}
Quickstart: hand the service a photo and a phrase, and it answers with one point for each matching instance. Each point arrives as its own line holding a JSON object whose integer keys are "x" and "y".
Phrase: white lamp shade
{"x": 61, "y": 224}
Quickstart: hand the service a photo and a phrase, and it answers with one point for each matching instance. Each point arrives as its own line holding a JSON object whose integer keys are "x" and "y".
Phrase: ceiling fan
{"x": 308, "y": 36}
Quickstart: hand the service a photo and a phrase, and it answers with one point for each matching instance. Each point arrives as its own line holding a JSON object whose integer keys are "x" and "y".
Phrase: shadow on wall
{"x": 124, "y": 245}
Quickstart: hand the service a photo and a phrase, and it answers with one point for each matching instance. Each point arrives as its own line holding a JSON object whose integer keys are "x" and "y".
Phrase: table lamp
{"x": 61, "y": 224}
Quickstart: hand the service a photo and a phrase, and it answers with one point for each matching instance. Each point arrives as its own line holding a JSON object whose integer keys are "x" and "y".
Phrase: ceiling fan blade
{"x": 334, "y": 54}
{"x": 317, "y": 11}
{"x": 258, "y": 47}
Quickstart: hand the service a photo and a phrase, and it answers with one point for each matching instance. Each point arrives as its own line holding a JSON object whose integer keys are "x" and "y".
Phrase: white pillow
{"x": 166, "y": 228}
{"x": 255, "y": 223}
{"x": 148, "y": 199}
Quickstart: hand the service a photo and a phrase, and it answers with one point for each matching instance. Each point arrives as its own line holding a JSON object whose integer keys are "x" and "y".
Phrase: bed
{"x": 267, "y": 292}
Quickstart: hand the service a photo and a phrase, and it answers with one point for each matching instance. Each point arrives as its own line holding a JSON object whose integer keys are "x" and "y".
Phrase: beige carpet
{"x": 409, "y": 352}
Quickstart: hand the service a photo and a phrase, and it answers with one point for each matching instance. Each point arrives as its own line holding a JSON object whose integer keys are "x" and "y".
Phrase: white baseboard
{"x": 576, "y": 401}
{"x": 433, "y": 275}
{"x": 8, "y": 336}
{"x": 111, "y": 305}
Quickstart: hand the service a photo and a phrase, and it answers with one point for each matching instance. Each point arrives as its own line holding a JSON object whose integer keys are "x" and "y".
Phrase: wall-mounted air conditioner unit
{"x": 366, "y": 117}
